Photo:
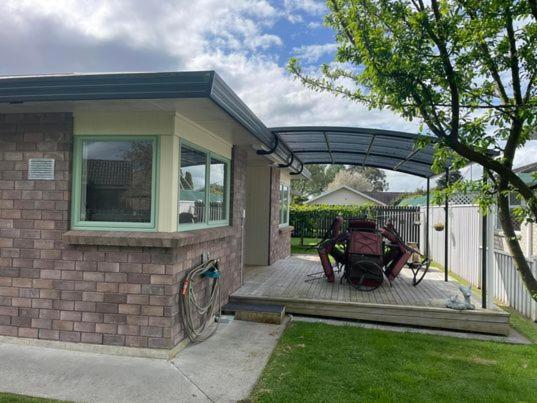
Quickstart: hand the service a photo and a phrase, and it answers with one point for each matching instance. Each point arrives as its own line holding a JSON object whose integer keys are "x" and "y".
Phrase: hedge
{"x": 314, "y": 220}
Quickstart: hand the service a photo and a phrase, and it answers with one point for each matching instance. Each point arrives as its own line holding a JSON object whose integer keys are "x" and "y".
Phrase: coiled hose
{"x": 196, "y": 315}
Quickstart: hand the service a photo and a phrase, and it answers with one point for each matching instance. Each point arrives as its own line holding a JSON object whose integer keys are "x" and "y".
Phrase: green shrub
{"x": 315, "y": 219}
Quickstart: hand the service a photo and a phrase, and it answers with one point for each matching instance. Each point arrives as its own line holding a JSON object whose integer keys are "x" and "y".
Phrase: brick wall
{"x": 114, "y": 295}
{"x": 280, "y": 238}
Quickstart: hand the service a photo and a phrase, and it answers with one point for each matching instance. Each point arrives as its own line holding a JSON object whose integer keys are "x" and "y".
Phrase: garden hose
{"x": 197, "y": 315}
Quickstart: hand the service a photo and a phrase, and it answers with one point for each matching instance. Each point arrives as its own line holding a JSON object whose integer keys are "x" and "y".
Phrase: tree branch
{"x": 450, "y": 73}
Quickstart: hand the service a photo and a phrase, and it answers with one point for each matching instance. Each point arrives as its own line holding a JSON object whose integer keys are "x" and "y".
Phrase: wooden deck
{"x": 423, "y": 305}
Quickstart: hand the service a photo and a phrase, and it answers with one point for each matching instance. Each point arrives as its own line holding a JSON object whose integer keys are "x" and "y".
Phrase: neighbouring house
{"x": 113, "y": 186}
{"x": 345, "y": 195}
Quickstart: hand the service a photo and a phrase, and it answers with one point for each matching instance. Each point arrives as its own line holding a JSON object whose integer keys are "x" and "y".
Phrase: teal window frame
{"x": 285, "y": 196}
{"x": 209, "y": 154}
{"x": 76, "y": 222}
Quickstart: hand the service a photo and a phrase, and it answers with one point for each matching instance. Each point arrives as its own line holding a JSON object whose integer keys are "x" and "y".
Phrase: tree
{"x": 354, "y": 180}
{"x": 444, "y": 182}
{"x": 375, "y": 176}
{"x": 321, "y": 176}
{"x": 467, "y": 69}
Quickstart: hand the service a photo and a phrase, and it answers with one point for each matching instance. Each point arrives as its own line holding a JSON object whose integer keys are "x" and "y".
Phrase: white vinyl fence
{"x": 464, "y": 240}
{"x": 465, "y": 256}
{"x": 508, "y": 286}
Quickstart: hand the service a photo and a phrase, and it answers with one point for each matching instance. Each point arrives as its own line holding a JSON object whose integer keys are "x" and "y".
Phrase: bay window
{"x": 203, "y": 188}
{"x": 114, "y": 182}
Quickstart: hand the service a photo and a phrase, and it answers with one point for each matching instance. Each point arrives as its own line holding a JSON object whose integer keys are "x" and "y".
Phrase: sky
{"x": 248, "y": 42}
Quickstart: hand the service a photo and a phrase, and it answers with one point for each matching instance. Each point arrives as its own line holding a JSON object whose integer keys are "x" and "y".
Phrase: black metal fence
{"x": 405, "y": 219}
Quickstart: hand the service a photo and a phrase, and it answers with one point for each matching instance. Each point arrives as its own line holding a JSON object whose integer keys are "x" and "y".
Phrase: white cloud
{"x": 233, "y": 37}
{"x": 293, "y": 10}
{"x": 313, "y": 7}
{"x": 312, "y": 53}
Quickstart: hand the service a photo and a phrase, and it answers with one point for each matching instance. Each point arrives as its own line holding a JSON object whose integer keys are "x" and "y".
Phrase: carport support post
{"x": 484, "y": 254}
{"x": 446, "y": 229}
{"x": 427, "y": 218}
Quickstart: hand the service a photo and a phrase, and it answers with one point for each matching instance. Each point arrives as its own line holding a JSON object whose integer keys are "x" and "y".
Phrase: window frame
{"x": 227, "y": 180}
{"x": 283, "y": 195}
{"x": 76, "y": 192}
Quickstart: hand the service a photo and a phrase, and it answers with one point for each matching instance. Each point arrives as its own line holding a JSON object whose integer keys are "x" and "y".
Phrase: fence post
{"x": 533, "y": 312}
{"x": 491, "y": 264}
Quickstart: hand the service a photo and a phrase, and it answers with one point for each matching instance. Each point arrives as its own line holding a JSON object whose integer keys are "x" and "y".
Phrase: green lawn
{"x": 12, "y": 398}
{"x": 308, "y": 247}
{"x": 323, "y": 363}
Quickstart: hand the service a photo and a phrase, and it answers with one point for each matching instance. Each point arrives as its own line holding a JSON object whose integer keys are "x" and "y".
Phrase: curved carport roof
{"x": 387, "y": 149}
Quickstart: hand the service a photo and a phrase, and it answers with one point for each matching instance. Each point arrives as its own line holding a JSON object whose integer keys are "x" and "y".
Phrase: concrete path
{"x": 223, "y": 368}
{"x": 226, "y": 367}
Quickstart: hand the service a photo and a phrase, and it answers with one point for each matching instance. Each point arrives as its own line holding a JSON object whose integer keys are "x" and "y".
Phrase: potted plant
{"x": 438, "y": 226}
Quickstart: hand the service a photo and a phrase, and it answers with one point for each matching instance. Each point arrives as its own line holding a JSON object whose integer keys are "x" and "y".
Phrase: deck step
{"x": 252, "y": 312}
{"x": 479, "y": 321}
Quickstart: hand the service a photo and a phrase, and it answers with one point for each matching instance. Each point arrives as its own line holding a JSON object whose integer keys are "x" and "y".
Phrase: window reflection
{"x": 217, "y": 190}
{"x": 192, "y": 186}
{"x": 116, "y": 181}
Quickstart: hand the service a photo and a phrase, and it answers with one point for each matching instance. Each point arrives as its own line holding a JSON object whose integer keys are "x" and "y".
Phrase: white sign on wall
{"x": 41, "y": 169}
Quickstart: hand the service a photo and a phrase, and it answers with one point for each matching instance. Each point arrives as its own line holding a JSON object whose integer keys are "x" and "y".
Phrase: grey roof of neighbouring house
{"x": 529, "y": 168}
{"x": 386, "y": 197}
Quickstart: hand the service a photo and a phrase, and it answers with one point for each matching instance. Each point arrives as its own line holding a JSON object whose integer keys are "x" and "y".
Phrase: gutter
{"x": 166, "y": 85}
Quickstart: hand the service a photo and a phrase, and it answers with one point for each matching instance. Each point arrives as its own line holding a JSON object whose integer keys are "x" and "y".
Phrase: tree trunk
{"x": 521, "y": 263}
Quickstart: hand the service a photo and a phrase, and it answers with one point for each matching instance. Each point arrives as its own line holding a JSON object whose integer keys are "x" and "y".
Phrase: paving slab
{"x": 227, "y": 366}
{"x": 88, "y": 377}
{"x": 223, "y": 368}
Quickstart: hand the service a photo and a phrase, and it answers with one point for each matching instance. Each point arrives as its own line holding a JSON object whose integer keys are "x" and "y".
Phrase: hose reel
{"x": 198, "y": 315}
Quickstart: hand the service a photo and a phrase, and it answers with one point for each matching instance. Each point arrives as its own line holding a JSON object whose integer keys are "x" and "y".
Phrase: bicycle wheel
{"x": 365, "y": 275}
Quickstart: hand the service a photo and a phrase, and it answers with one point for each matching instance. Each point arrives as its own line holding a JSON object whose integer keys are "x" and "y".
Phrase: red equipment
{"x": 328, "y": 247}
{"x": 367, "y": 259}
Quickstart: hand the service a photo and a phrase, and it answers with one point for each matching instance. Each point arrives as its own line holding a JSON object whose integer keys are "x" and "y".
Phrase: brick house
{"x": 113, "y": 186}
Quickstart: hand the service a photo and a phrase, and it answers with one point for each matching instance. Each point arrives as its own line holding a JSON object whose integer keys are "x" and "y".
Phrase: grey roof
{"x": 529, "y": 168}
{"x": 387, "y": 149}
{"x": 290, "y": 146}
{"x": 386, "y": 197}
{"x": 119, "y": 86}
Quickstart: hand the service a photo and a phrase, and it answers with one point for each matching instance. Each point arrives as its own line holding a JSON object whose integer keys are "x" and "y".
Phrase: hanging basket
{"x": 438, "y": 226}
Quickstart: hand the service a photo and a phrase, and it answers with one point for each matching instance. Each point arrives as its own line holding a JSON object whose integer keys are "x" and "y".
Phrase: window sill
{"x": 146, "y": 239}
{"x": 284, "y": 229}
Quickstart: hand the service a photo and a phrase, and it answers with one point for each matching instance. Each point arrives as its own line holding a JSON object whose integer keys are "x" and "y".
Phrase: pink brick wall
{"x": 126, "y": 296}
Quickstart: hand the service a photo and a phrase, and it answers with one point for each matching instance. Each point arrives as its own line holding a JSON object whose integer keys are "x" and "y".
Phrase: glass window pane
{"x": 217, "y": 190}
{"x": 192, "y": 186}
{"x": 284, "y": 204}
{"x": 116, "y": 181}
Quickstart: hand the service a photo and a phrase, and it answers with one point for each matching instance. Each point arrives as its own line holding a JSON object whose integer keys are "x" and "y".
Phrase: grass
{"x": 308, "y": 247}
{"x": 320, "y": 363}
{"x": 13, "y": 398}
{"x": 522, "y": 325}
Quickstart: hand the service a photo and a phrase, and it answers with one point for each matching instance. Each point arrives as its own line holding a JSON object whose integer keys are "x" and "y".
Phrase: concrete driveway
{"x": 221, "y": 369}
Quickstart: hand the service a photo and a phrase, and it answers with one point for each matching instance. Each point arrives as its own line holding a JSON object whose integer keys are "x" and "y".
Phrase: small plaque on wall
{"x": 41, "y": 169}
